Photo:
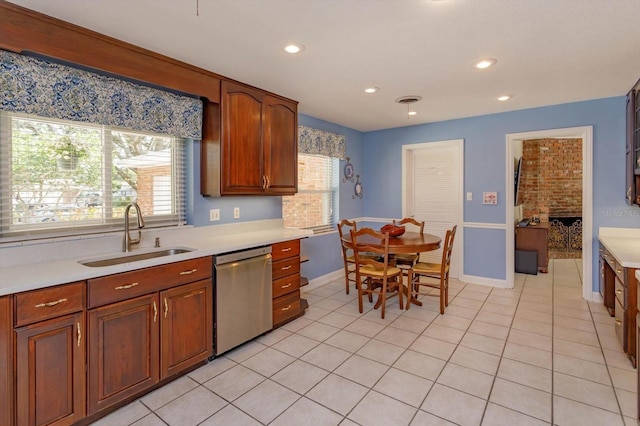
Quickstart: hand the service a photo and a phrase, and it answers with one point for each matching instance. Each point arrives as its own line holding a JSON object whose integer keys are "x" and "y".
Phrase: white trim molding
{"x": 484, "y": 225}
{"x": 586, "y": 134}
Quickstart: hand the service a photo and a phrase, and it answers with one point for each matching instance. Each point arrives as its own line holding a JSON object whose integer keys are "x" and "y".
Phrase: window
{"x": 315, "y": 205}
{"x": 63, "y": 177}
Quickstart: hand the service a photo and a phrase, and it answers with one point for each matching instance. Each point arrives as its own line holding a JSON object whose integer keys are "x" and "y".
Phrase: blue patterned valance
{"x": 319, "y": 142}
{"x": 35, "y": 86}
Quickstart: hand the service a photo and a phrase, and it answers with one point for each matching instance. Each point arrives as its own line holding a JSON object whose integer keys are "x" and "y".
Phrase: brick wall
{"x": 551, "y": 181}
{"x": 307, "y": 210}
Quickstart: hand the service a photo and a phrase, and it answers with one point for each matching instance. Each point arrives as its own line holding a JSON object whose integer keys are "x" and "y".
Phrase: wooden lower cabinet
{"x": 123, "y": 350}
{"x": 6, "y": 361}
{"x": 535, "y": 238}
{"x": 50, "y": 371}
{"x": 186, "y": 338}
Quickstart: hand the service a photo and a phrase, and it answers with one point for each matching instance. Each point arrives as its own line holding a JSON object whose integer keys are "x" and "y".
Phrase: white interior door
{"x": 433, "y": 192}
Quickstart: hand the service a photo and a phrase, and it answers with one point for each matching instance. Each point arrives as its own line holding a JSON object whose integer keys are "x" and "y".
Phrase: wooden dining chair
{"x": 373, "y": 274}
{"x": 435, "y": 275}
{"x": 347, "y": 253}
{"x": 405, "y": 261}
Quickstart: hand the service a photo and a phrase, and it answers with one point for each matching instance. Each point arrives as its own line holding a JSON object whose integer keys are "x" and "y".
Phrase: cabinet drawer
{"x": 620, "y": 325}
{"x": 621, "y": 293}
{"x": 283, "y": 268}
{"x": 286, "y": 285}
{"x": 286, "y": 307}
{"x": 39, "y": 305}
{"x": 285, "y": 249}
{"x": 118, "y": 287}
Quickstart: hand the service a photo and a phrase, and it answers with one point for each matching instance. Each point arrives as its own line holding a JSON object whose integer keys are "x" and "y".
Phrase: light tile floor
{"x": 535, "y": 355}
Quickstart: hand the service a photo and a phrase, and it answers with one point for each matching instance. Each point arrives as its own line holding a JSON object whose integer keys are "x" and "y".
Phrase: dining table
{"x": 409, "y": 242}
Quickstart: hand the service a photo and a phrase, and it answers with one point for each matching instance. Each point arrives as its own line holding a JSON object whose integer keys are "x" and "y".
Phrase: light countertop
{"x": 203, "y": 241}
{"x": 624, "y": 244}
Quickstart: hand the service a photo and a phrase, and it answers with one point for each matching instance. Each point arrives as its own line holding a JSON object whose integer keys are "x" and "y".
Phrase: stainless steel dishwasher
{"x": 243, "y": 304}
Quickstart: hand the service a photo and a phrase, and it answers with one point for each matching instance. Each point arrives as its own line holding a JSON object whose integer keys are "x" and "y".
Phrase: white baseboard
{"x": 324, "y": 279}
{"x": 596, "y": 297}
{"x": 492, "y": 282}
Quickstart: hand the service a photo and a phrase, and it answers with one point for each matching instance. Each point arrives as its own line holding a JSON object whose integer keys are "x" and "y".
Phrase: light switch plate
{"x": 236, "y": 212}
{"x": 214, "y": 214}
{"x": 469, "y": 196}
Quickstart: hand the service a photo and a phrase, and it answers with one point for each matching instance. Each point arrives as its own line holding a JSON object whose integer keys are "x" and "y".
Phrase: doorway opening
{"x": 514, "y": 214}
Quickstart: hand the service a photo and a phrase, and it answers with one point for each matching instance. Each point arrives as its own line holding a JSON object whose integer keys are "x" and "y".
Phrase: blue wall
{"x": 377, "y": 157}
{"x": 484, "y": 170}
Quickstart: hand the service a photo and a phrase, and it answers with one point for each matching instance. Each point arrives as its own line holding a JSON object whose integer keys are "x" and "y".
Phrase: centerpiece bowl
{"x": 392, "y": 230}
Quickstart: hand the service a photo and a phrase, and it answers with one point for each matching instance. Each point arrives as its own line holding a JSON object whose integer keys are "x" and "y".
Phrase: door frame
{"x": 455, "y": 143}
{"x": 586, "y": 134}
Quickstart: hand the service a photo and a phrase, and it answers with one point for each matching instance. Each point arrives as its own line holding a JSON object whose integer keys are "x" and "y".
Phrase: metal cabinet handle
{"x": 155, "y": 311}
{"x": 166, "y": 307}
{"x": 618, "y": 270}
{"x": 286, "y": 249}
{"x": 126, "y": 286}
{"x": 189, "y": 272}
{"x": 49, "y": 304}
{"x": 79, "y": 335}
{"x": 618, "y": 291}
{"x": 618, "y": 322}
{"x": 287, "y": 286}
{"x": 286, "y": 308}
{"x": 284, "y": 268}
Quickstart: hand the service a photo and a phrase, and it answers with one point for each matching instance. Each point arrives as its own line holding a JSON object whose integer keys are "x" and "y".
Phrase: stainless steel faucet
{"x": 127, "y": 242}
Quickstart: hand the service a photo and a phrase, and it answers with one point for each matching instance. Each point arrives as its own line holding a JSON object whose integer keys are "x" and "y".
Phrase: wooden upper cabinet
{"x": 258, "y": 147}
{"x": 281, "y": 145}
{"x": 242, "y": 145}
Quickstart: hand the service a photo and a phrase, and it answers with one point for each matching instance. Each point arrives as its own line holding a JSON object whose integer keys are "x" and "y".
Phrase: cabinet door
{"x": 186, "y": 327}
{"x": 123, "y": 350}
{"x": 50, "y": 371}
{"x": 241, "y": 147}
{"x": 6, "y": 361}
{"x": 281, "y": 146}
{"x": 630, "y": 195}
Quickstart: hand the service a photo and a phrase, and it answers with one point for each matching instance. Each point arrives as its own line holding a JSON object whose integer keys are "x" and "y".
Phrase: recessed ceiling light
{"x": 294, "y": 48}
{"x": 504, "y": 98}
{"x": 485, "y": 63}
{"x": 371, "y": 90}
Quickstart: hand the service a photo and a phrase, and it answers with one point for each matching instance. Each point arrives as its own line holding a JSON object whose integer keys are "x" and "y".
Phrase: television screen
{"x": 518, "y": 172}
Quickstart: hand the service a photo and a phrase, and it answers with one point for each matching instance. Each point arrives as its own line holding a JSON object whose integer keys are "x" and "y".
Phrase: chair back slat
{"x": 412, "y": 221}
{"x": 361, "y": 248}
{"x": 446, "y": 252}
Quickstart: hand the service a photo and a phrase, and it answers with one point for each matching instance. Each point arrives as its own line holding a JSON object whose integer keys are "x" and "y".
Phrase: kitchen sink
{"x": 119, "y": 259}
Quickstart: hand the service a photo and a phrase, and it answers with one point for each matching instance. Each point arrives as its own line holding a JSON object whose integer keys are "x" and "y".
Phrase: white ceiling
{"x": 548, "y": 51}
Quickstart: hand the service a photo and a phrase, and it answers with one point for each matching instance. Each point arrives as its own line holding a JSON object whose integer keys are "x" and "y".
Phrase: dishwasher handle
{"x": 265, "y": 258}
{"x": 241, "y": 255}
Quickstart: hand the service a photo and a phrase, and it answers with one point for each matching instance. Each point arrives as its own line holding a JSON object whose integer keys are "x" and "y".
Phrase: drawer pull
{"x": 618, "y": 322}
{"x": 189, "y": 272}
{"x": 618, "y": 291}
{"x": 286, "y": 308}
{"x": 618, "y": 270}
{"x": 286, "y": 249}
{"x": 195, "y": 293}
{"x": 166, "y": 307}
{"x": 287, "y": 286}
{"x": 79, "y": 335}
{"x": 49, "y": 304}
{"x": 126, "y": 286}
{"x": 155, "y": 311}
{"x": 284, "y": 268}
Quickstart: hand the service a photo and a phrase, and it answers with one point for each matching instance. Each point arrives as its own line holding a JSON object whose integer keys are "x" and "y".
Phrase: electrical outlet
{"x": 236, "y": 212}
{"x": 214, "y": 214}
{"x": 469, "y": 196}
